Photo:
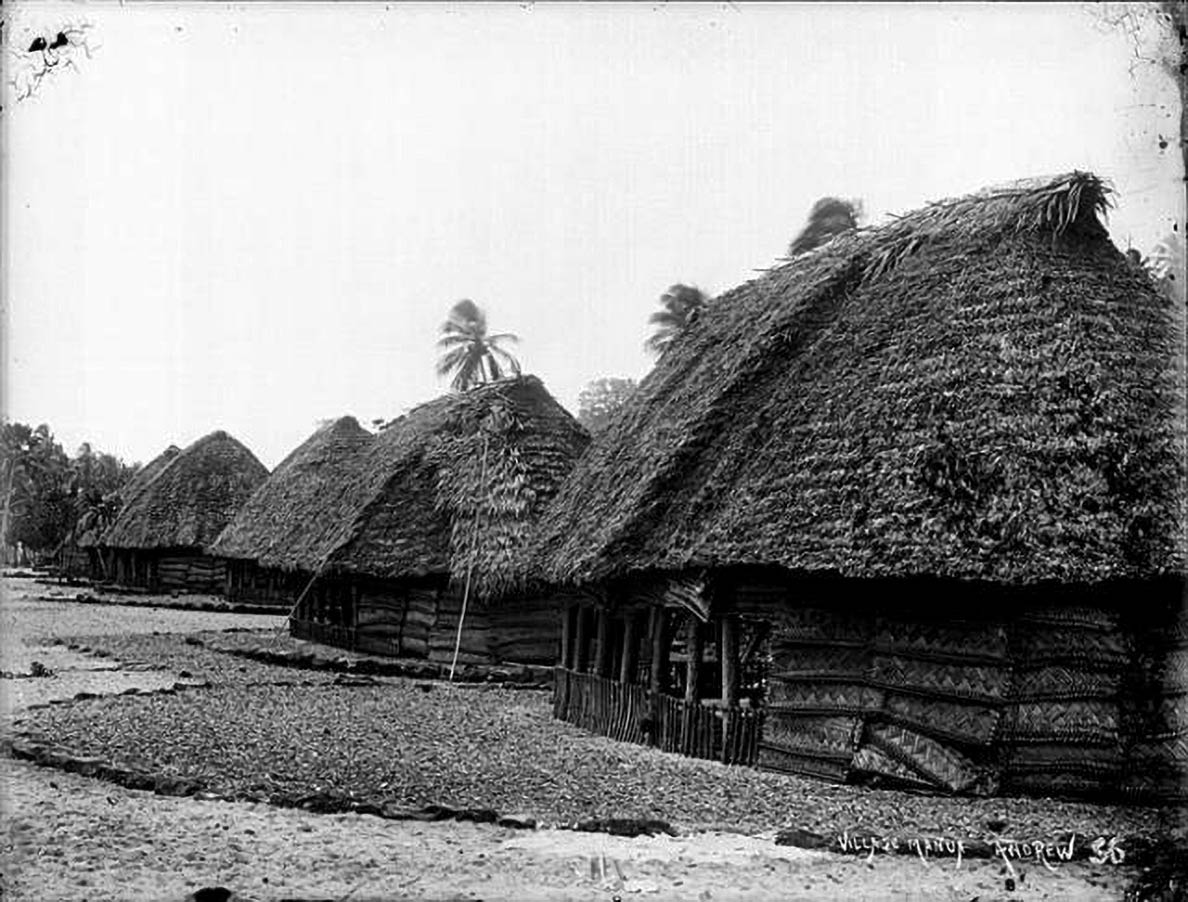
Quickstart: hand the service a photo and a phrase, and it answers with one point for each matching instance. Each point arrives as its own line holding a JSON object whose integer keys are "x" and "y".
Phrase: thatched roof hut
{"x": 402, "y": 526}
{"x": 301, "y": 505}
{"x": 981, "y": 389}
{"x": 193, "y": 497}
{"x": 906, "y": 489}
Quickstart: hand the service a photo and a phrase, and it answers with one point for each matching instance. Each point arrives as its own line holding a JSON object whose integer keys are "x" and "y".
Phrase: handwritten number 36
{"x": 1106, "y": 851}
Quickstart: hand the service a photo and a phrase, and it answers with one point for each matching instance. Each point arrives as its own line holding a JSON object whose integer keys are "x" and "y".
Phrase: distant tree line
{"x": 47, "y": 493}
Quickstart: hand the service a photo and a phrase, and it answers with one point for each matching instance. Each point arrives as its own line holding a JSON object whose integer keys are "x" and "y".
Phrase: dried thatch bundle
{"x": 190, "y": 499}
{"x": 450, "y": 488}
{"x": 981, "y": 389}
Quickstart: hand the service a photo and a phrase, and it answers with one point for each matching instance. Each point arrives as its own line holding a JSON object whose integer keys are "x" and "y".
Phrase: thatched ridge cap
{"x": 1051, "y": 205}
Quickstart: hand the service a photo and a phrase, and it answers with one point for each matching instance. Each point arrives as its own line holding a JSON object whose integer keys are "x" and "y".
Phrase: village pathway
{"x": 70, "y": 837}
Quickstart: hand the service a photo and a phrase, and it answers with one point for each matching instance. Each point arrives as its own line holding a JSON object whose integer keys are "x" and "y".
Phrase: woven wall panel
{"x": 788, "y": 661}
{"x": 1100, "y": 650}
{"x": 934, "y": 761}
{"x": 787, "y": 761}
{"x": 840, "y": 662}
{"x": 966, "y": 640}
{"x": 819, "y": 625}
{"x": 1169, "y": 670}
{"x": 834, "y": 736}
{"x": 1059, "y": 682}
{"x": 1156, "y": 717}
{"x": 949, "y": 680}
{"x": 1170, "y": 753}
{"x": 1068, "y": 721}
{"x": 964, "y": 722}
{"x": 1066, "y": 617}
{"x": 1060, "y": 758}
{"x": 871, "y": 760}
{"x": 823, "y": 696}
{"x": 1166, "y": 785}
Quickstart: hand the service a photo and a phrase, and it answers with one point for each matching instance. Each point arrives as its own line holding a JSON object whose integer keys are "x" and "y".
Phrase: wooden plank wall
{"x": 250, "y": 583}
{"x": 420, "y": 620}
{"x": 181, "y": 572}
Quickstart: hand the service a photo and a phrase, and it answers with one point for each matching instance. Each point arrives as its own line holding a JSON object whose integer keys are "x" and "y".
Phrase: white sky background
{"x": 254, "y": 218}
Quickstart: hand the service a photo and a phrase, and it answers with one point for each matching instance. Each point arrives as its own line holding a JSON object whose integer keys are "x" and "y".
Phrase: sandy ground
{"x": 70, "y": 837}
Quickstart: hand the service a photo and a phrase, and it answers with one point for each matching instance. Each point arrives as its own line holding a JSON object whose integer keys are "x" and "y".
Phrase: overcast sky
{"x": 256, "y": 217}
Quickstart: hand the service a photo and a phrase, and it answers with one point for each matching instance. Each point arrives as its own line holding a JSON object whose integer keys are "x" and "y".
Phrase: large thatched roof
{"x": 981, "y": 389}
{"x": 187, "y": 504}
{"x": 300, "y": 508}
{"x": 405, "y": 503}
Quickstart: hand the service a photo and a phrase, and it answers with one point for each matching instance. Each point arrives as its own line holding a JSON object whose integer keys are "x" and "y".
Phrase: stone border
{"x": 205, "y": 603}
{"x": 516, "y": 676}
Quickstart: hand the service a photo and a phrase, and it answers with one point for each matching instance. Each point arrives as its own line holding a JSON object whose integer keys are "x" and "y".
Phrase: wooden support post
{"x": 693, "y": 643}
{"x": 729, "y": 653}
{"x": 581, "y": 649}
{"x": 693, "y": 647}
{"x": 630, "y": 648}
{"x": 728, "y": 649}
{"x": 659, "y": 649}
{"x": 566, "y": 635}
{"x": 602, "y": 656}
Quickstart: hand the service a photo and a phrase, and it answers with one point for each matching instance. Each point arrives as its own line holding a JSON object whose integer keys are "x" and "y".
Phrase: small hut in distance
{"x": 82, "y": 552}
{"x": 401, "y": 522}
{"x": 161, "y": 538}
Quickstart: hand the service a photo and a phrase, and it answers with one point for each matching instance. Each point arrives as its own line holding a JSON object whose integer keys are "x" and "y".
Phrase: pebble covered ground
{"x": 414, "y": 741}
{"x": 420, "y": 742}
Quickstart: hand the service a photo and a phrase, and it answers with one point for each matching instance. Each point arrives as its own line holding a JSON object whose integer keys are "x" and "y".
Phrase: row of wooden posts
{"x": 616, "y": 647}
{"x": 600, "y": 687}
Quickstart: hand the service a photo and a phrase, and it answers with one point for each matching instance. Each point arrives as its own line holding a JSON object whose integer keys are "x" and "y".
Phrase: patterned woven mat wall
{"x": 1062, "y": 731}
{"x": 817, "y": 691}
{"x": 1155, "y": 716}
{"x": 945, "y": 686}
{"x": 906, "y": 701}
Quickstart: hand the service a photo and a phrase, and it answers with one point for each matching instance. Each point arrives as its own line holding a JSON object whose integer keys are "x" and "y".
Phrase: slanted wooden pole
{"x": 470, "y": 564}
{"x": 602, "y": 657}
{"x": 581, "y": 651}
{"x": 630, "y": 648}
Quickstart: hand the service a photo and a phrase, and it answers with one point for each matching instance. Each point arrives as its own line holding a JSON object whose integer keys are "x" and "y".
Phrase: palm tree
{"x": 829, "y": 216}
{"x": 469, "y": 352}
{"x": 681, "y": 304}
